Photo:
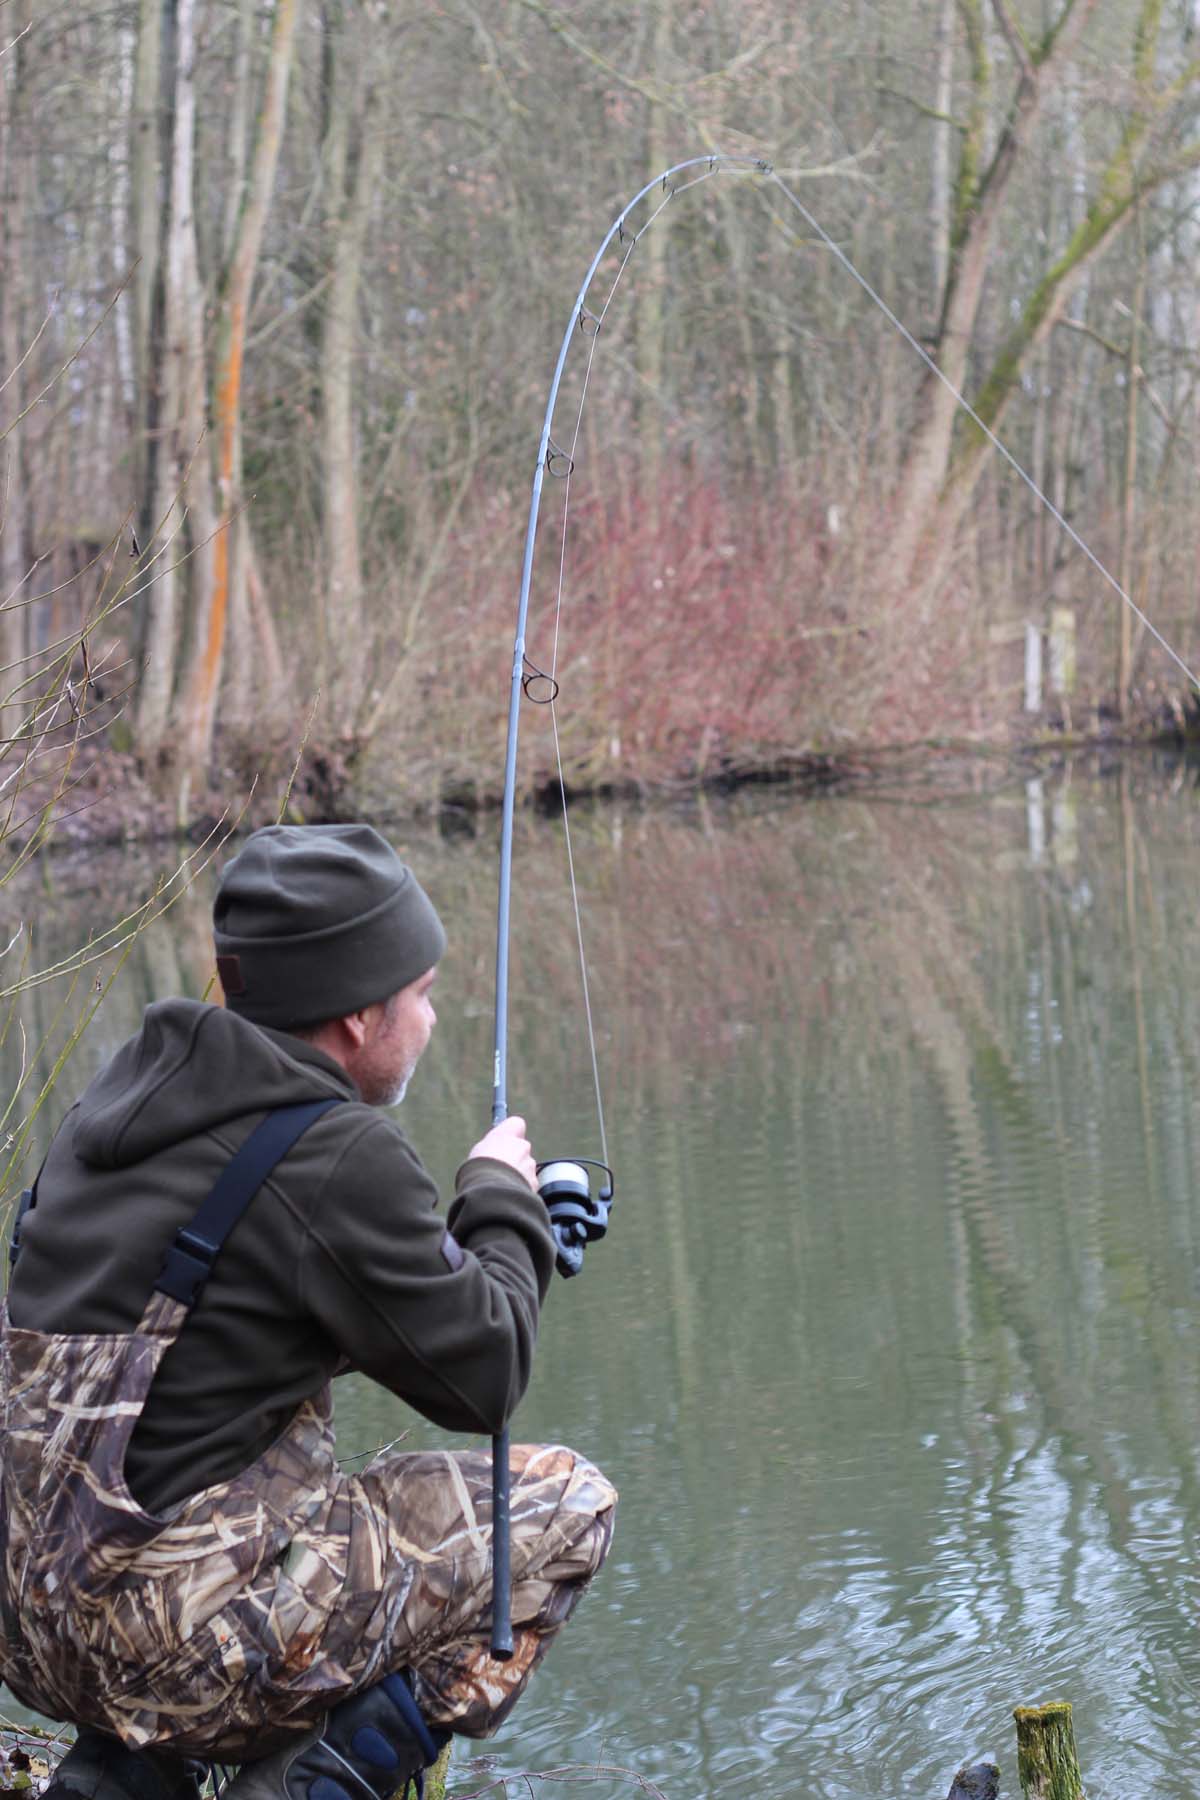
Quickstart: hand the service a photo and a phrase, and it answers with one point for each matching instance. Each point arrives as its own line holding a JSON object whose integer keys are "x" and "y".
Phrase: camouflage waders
{"x": 244, "y": 1612}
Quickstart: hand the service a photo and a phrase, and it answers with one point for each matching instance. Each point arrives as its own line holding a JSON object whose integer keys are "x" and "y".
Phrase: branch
{"x": 74, "y": 357}
{"x": 657, "y": 94}
{"x": 669, "y": 97}
{"x": 1061, "y": 34}
{"x": 740, "y": 61}
{"x": 1015, "y": 38}
{"x": 289, "y": 313}
{"x": 1026, "y": 101}
{"x": 1043, "y": 309}
{"x": 648, "y": 90}
{"x": 1121, "y": 352}
{"x": 920, "y": 106}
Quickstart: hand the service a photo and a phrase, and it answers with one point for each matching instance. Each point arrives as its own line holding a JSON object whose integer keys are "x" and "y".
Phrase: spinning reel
{"x": 576, "y": 1218}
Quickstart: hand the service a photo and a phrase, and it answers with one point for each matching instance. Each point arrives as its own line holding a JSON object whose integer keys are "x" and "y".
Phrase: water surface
{"x": 893, "y": 1349}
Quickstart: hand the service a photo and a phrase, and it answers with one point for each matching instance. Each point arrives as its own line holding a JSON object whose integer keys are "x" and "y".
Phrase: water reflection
{"x": 893, "y": 1348}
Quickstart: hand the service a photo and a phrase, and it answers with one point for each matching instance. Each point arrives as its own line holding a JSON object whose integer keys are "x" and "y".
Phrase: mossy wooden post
{"x": 1046, "y": 1759}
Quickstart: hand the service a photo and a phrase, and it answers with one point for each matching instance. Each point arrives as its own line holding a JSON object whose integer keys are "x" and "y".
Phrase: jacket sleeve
{"x": 444, "y": 1312}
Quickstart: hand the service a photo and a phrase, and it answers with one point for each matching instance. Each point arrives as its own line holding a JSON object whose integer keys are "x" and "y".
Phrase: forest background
{"x": 281, "y": 286}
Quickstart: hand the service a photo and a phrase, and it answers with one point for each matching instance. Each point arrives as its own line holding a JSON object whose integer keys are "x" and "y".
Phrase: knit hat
{"x": 316, "y": 921}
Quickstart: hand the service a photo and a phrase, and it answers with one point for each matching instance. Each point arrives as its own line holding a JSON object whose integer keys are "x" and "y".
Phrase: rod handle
{"x": 502, "y": 1637}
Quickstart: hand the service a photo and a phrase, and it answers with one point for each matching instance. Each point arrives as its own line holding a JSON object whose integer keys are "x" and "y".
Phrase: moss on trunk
{"x": 1046, "y": 1759}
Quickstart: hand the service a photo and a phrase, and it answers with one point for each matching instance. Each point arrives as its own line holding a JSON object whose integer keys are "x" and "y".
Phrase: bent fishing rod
{"x": 577, "y": 1217}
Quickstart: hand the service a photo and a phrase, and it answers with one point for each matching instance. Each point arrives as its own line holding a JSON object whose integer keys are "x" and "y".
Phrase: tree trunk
{"x": 1129, "y": 483}
{"x": 211, "y": 612}
{"x": 239, "y": 129}
{"x": 244, "y": 690}
{"x": 943, "y": 132}
{"x": 146, "y": 223}
{"x": 176, "y": 377}
{"x": 349, "y": 209}
{"x": 14, "y": 636}
{"x": 651, "y": 290}
{"x": 978, "y": 205}
{"x": 749, "y": 425}
{"x": 1039, "y": 518}
{"x": 1120, "y": 187}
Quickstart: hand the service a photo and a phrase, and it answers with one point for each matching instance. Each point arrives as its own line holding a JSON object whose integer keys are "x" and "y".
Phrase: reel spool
{"x": 577, "y": 1218}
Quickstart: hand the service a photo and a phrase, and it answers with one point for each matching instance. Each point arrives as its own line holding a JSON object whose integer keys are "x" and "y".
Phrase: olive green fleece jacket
{"x": 342, "y": 1257}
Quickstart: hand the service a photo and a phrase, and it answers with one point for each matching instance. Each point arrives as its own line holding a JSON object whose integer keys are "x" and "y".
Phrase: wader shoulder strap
{"x": 189, "y": 1262}
{"x": 25, "y": 1204}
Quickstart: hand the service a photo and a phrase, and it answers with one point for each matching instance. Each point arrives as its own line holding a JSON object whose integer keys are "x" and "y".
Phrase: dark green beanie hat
{"x": 316, "y": 921}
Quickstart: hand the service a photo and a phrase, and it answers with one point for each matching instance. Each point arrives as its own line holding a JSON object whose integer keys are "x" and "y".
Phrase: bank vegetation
{"x": 281, "y": 285}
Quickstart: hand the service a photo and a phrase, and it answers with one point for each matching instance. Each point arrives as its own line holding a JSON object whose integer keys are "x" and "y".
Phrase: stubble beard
{"x": 393, "y": 1093}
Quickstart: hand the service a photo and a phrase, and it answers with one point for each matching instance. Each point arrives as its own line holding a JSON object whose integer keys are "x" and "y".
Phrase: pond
{"x": 893, "y": 1349}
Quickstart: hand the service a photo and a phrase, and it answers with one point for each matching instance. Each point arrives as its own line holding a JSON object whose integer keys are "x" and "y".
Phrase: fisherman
{"x": 185, "y": 1570}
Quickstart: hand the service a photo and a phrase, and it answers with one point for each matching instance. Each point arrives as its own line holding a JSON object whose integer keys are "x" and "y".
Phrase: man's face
{"x": 397, "y": 1032}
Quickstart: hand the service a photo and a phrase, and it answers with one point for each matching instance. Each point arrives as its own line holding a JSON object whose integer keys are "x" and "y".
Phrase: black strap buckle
{"x": 187, "y": 1266}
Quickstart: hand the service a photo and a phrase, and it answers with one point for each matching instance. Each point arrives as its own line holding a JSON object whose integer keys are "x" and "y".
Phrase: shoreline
{"x": 113, "y": 803}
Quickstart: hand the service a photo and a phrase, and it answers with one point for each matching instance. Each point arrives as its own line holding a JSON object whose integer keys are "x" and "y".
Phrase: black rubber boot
{"x": 97, "y": 1767}
{"x": 367, "y": 1748}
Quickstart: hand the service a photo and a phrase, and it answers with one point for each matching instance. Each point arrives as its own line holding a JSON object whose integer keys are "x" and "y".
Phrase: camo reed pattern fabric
{"x": 238, "y": 1617}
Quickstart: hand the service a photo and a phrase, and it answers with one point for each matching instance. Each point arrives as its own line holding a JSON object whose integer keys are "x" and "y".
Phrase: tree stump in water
{"x": 1046, "y": 1760}
{"x": 980, "y": 1782}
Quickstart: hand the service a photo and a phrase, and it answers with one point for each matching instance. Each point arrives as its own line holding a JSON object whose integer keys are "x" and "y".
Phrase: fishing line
{"x": 576, "y": 1217}
{"x": 559, "y": 463}
{"x": 592, "y": 334}
{"x": 562, "y": 466}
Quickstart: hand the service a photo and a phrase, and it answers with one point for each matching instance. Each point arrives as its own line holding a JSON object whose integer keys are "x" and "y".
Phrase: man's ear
{"x": 355, "y": 1026}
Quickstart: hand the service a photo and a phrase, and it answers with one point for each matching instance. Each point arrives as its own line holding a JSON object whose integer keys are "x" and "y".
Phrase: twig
{"x": 74, "y": 357}
{"x": 287, "y": 792}
{"x": 369, "y": 1455}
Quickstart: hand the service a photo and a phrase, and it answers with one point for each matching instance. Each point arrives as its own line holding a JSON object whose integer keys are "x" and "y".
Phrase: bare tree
{"x": 353, "y": 160}
{"x": 199, "y": 699}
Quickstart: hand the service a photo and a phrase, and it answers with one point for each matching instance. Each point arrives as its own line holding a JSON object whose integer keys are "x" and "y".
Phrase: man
{"x": 221, "y": 1225}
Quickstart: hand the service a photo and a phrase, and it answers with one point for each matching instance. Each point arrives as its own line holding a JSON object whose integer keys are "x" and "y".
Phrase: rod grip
{"x": 502, "y": 1637}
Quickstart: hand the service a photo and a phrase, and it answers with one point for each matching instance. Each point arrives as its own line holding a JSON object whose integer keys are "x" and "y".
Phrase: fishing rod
{"x": 577, "y": 1217}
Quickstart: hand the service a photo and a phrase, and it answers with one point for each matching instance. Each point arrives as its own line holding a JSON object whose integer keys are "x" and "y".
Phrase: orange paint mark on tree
{"x": 227, "y": 400}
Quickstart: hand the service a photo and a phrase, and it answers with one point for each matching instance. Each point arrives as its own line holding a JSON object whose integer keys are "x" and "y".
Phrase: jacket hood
{"x": 189, "y": 1068}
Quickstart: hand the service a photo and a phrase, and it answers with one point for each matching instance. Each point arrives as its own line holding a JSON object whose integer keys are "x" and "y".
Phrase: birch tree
{"x": 353, "y": 161}
{"x": 182, "y": 509}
